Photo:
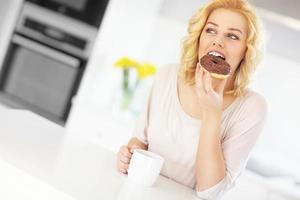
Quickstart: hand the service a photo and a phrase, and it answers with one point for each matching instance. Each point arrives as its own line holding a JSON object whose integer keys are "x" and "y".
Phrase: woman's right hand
{"x": 124, "y": 157}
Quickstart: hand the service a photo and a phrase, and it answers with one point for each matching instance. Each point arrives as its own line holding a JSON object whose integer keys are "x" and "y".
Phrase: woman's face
{"x": 225, "y": 32}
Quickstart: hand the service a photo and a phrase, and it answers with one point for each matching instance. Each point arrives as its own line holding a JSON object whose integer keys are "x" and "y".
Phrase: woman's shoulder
{"x": 165, "y": 81}
{"x": 166, "y": 75}
{"x": 253, "y": 97}
{"x": 167, "y": 71}
{"x": 249, "y": 112}
{"x": 253, "y": 103}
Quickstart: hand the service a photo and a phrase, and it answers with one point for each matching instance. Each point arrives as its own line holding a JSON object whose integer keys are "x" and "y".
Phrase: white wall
{"x": 279, "y": 82}
{"x": 125, "y": 31}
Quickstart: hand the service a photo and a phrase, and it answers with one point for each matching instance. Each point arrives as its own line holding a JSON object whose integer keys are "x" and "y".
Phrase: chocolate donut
{"x": 216, "y": 66}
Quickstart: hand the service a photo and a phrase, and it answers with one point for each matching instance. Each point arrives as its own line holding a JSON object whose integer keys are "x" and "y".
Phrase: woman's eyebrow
{"x": 212, "y": 23}
{"x": 236, "y": 29}
{"x": 231, "y": 29}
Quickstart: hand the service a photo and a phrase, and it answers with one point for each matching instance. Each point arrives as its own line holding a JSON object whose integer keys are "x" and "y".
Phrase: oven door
{"x": 39, "y": 78}
{"x": 88, "y": 11}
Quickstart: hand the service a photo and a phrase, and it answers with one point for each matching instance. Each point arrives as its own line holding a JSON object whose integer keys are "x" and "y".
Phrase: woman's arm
{"x": 236, "y": 146}
{"x": 210, "y": 165}
{"x": 218, "y": 166}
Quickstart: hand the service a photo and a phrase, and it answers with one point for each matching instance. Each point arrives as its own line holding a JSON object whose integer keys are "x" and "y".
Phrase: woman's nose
{"x": 218, "y": 42}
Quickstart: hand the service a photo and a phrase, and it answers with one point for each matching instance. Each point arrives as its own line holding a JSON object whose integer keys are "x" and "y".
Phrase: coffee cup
{"x": 144, "y": 167}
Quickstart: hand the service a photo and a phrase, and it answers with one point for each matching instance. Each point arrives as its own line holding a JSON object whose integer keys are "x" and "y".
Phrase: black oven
{"x": 88, "y": 11}
{"x": 39, "y": 78}
{"x": 45, "y": 61}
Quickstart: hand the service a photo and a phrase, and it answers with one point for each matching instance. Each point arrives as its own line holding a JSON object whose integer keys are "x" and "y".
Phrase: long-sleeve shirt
{"x": 170, "y": 132}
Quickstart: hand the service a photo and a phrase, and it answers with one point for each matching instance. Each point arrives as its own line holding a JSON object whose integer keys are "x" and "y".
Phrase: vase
{"x": 127, "y": 96}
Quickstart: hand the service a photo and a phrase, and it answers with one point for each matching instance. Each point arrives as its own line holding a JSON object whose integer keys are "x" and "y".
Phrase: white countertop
{"x": 39, "y": 158}
{"x": 15, "y": 184}
{"x": 43, "y": 155}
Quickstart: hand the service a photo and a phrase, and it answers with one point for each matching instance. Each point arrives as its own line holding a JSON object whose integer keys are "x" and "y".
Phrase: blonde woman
{"x": 205, "y": 128}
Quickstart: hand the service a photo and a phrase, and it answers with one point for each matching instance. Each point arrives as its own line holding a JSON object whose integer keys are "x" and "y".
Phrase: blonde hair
{"x": 254, "y": 52}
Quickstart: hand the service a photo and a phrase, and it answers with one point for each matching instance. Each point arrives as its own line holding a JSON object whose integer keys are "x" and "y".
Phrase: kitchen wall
{"x": 125, "y": 30}
{"x": 278, "y": 145}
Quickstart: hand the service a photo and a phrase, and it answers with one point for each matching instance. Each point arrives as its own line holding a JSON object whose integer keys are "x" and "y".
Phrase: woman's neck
{"x": 229, "y": 84}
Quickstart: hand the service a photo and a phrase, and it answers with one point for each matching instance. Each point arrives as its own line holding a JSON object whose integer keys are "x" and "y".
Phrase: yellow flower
{"x": 126, "y": 62}
{"x": 145, "y": 70}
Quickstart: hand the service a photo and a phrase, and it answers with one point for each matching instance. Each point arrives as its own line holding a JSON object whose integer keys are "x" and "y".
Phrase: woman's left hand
{"x": 210, "y": 97}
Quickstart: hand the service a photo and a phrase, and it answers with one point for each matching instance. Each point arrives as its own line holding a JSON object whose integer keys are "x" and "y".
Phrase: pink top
{"x": 173, "y": 134}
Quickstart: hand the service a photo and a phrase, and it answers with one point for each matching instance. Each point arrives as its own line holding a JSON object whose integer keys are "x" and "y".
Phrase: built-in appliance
{"x": 88, "y": 11}
{"x": 45, "y": 61}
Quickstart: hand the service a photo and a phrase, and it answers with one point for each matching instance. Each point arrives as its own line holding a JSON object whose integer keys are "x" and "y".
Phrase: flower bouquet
{"x": 133, "y": 72}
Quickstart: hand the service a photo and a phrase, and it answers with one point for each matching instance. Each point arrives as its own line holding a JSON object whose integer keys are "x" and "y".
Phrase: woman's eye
{"x": 210, "y": 30}
{"x": 232, "y": 36}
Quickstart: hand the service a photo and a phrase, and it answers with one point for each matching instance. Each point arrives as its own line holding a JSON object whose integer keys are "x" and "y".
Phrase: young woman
{"x": 205, "y": 127}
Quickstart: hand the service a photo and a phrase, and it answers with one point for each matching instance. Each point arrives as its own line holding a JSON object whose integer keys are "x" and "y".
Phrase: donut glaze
{"x": 215, "y": 65}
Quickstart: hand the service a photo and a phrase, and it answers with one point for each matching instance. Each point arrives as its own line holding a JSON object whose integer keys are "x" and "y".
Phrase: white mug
{"x": 144, "y": 167}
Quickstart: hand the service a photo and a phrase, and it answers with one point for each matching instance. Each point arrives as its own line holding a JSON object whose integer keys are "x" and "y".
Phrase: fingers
{"x": 208, "y": 83}
{"x": 220, "y": 87}
{"x": 203, "y": 80}
{"x": 125, "y": 151}
{"x": 133, "y": 147}
{"x": 124, "y": 157}
{"x": 198, "y": 76}
{"x": 122, "y": 167}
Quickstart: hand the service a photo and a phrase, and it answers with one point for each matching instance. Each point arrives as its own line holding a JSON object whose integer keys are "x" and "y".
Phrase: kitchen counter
{"x": 68, "y": 163}
{"x": 15, "y": 184}
{"x": 75, "y": 164}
